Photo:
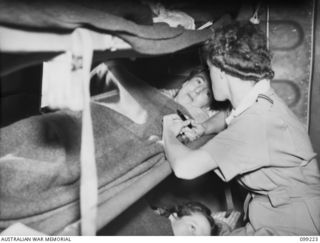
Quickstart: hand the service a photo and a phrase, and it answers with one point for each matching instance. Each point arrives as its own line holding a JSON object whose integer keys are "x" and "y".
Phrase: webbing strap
{"x": 66, "y": 83}
{"x": 88, "y": 179}
{"x": 229, "y": 199}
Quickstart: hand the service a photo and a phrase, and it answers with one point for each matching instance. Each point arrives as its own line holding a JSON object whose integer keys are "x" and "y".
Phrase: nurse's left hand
{"x": 173, "y": 123}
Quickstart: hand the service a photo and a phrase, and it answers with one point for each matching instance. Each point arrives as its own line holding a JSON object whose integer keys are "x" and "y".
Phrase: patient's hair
{"x": 189, "y": 208}
{"x": 200, "y": 70}
{"x": 240, "y": 50}
{"x": 214, "y": 104}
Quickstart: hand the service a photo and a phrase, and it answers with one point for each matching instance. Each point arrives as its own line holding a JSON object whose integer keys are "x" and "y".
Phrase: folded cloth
{"x": 63, "y": 17}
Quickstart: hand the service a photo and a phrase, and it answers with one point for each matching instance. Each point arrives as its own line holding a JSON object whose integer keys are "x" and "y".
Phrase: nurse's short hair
{"x": 240, "y": 50}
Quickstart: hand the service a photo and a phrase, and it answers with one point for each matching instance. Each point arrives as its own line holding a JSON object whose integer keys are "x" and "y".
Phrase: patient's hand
{"x": 156, "y": 139}
{"x": 193, "y": 133}
{"x": 230, "y": 221}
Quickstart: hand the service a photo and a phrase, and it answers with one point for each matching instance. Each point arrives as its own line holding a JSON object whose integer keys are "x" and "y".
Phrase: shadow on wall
{"x": 20, "y": 94}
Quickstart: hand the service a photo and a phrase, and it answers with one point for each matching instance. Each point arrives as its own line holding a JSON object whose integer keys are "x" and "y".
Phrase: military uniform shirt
{"x": 268, "y": 151}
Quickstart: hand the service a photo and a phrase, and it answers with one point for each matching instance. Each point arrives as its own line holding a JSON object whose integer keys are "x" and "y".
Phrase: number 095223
{"x": 309, "y": 238}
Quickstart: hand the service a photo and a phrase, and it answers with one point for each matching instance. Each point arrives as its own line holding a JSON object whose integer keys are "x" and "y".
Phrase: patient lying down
{"x": 195, "y": 219}
{"x": 189, "y": 218}
{"x": 49, "y": 145}
{"x": 194, "y": 95}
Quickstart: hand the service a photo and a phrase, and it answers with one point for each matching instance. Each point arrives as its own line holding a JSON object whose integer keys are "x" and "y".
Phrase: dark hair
{"x": 200, "y": 70}
{"x": 214, "y": 104}
{"x": 189, "y": 208}
{"x": 240, "y": 50}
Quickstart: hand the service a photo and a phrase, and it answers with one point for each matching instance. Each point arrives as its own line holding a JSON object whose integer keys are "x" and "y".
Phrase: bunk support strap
{"x": 88, "y": 179}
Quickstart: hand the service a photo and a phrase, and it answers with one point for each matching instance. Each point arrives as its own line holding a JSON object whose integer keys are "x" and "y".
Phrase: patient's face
{"x": 194, "y": 224}
{"x": 195, "y": 92}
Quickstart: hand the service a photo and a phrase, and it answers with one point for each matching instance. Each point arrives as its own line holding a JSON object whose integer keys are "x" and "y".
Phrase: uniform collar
{"x": 260, "y": 87}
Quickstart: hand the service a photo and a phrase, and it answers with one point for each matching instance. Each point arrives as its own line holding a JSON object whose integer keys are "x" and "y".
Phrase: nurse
{"x": 263, "y": 146}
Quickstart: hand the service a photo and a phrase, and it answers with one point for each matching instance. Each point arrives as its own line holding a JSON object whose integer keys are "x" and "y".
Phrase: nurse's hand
{"x": 173, "y": 123}
{"x": 193, "y": 133}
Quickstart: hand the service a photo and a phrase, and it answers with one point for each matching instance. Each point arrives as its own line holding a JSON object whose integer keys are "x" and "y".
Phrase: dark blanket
{"x": 65, "y": 16}
{"x": 39, "y": 159}
{"x": 60, "y": 17}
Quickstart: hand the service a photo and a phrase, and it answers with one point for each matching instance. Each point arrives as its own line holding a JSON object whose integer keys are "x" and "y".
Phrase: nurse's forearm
{"x": 186, "y": 163}
{"x": 215, "y": 124}
{"x": 174, "y": 149}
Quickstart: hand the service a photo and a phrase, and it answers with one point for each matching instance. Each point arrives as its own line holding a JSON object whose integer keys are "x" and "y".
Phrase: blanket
{"x": 65, "y": 16}
{"x": 39, "y": 159}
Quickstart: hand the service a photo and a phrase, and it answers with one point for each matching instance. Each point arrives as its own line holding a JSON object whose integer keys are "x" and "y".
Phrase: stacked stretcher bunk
{"x": 40, "y": 157}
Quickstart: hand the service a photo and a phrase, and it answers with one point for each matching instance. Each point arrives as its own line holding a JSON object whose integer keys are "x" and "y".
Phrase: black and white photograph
{"x": 159, "y": 118}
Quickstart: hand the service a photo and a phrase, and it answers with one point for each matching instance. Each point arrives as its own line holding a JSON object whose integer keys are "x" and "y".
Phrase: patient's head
{"x": 196, "y": 90}
{"x": 192, "y": 218}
